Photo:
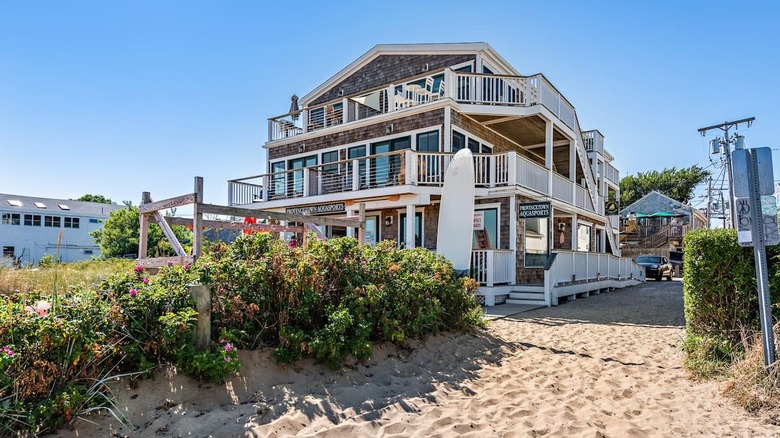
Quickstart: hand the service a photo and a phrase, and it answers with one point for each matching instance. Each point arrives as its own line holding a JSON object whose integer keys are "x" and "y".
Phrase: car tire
{"x": 658, "y": 277}
{"x": 669, "y": 277}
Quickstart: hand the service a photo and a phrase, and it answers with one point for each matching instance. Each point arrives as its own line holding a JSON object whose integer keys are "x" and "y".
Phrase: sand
{"x": 605, "y": 366}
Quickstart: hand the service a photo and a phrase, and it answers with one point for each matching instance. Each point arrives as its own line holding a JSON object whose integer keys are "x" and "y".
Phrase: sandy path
{"x": 609, "y": 365}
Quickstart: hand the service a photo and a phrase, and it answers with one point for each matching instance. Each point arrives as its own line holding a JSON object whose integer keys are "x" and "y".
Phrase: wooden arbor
{"x": 150, "y": 211}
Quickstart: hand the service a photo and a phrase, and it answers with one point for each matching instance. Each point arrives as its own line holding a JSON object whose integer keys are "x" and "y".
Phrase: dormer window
{"x": 40, "y": 205}
{"x": 15, "y": 202}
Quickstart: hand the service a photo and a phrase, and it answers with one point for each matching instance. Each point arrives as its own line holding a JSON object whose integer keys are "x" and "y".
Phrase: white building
{"x": 30, "y": 228}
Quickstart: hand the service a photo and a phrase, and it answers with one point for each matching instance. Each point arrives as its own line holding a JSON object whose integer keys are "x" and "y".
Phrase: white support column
{"x": 447, "y": 134}
{"x": 513, "y": 237}
{"x": 548, "y": 154}
{"x": 574, "y": 233}
{"x": 410, "y": 210}
{"x": 573, "y": 170}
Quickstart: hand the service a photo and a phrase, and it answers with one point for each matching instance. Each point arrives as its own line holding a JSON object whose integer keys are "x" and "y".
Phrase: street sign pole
{"x": 759, "y": 250}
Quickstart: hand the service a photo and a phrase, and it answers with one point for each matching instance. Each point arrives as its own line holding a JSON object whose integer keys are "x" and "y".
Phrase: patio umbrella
{"x": 294, "y": 107}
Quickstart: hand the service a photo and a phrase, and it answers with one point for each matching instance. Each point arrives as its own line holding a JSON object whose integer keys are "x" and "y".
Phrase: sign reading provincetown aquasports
{"x": 336, "y": 207}
{"x": 528, "y": 210}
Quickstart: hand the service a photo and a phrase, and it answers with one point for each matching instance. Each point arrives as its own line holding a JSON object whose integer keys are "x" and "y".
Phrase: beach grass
{"x": 60, "y": 277}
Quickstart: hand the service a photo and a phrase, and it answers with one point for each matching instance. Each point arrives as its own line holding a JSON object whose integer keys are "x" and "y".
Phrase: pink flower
{"x": 228, "y": 347}
{"x": 170, "y": 264}
{"x": 7, "y": 350}
{"x": 146, "y": 280}
{"x": 133, "y": 293}
{"x": 363, "y": 263}
{"x": 139, "y": 269}
{"x": 227, "y": 358}
{"x": 187, "y": 267}
{"x": 41, "y": 308}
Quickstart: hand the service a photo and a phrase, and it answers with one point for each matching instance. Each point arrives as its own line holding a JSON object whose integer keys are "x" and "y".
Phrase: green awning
{"x": 659, "y": 214}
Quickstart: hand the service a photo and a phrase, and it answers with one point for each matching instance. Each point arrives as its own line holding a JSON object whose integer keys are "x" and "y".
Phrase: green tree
{"x": 120, "y": 235}
{"x": 677, "y": 184}
{"x": 95, "y": 198}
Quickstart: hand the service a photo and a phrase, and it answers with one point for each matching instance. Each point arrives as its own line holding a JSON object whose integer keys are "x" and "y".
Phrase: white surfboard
{"x": 456, "y": 212}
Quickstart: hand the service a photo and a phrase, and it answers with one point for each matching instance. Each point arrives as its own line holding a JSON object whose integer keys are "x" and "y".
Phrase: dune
{"x": 606, "y": 366}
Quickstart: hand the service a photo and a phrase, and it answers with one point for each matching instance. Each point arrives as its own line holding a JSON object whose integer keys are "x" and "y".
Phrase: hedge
{"x": 720, "y": 293}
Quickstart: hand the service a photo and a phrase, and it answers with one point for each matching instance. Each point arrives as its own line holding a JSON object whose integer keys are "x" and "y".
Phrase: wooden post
{"x": 143, "y": 236}
{"x": 202, "y": 296}
{"x": 197, "y": 217}
{"x": 361, "y": 229}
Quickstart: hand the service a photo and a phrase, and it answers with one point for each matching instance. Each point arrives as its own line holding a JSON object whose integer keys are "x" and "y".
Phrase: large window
{"x": 486, "y": 234}
{"x": 296, "y": 178}
{"x": 33, "y": 220}
{"x": 355, "y": 153}
{"x": 278, "y": 179}
{"x": 331, "y": 180}
{"x": 418, "y": 227}
{"x": 537, "y": 246}
{"x": 371, "y": 230}
{"x": 52, "y": 221}
{"x": 386, "y": 170}
{"x": 71, "y": 222}
{"x": 459, "y": 141}
{"x": 11, "y": 219}
{"x": 428, "y": 141}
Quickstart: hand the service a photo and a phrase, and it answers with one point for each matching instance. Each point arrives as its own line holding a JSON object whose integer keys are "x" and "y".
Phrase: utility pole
{"x": 725, "y": 126}
{"x": 709, "y": 201}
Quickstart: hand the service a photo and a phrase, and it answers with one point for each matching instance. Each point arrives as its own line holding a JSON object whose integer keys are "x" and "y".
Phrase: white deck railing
{"x": 574, "y": 270}
{"x": 574, "y": 266}
{"x": 492, "y": 266}
{"x": 612, "y": 174}
{"x": 593, "y": 141}
{"x": 404, "y": 167}
{"x": 471, "y": 88}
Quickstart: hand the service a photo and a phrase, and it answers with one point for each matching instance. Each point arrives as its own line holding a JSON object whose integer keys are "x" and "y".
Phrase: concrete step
{"x": 539, "y": 303}
{"x": 527, "y": 296}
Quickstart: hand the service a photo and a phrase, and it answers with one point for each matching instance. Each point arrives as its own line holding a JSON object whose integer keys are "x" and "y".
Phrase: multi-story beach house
{"x": 32, "y": 227}
{"x": 382, "y": 131}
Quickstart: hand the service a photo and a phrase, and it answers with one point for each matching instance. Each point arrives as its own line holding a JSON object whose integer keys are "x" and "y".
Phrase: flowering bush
{"x": 329, "y": 301}
{"x": 335, "y": 298}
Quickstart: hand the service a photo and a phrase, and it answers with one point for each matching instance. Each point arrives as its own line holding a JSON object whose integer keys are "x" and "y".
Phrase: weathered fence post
{"x": 202, "y": 296}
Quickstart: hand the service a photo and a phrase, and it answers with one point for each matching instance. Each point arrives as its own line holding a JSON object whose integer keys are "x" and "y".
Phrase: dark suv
{"x": 655, "y": 266}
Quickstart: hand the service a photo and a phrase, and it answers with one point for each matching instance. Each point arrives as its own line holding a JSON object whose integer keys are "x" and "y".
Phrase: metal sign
{"x": 739, "y": 166}
{"x": 611, "y": 207}
{"x": 529, "y": 210}
{"x": 768, "y": 218}
{"x": 336, "y": 207}
{"x": 763, "y": 230}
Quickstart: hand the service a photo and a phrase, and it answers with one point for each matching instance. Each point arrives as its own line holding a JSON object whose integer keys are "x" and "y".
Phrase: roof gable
{"x": 332, "y": 85}
{"x": 655, "y": 202}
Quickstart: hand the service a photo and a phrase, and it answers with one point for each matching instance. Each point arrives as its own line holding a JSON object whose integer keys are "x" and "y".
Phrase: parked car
{"x": 655, "y": 266}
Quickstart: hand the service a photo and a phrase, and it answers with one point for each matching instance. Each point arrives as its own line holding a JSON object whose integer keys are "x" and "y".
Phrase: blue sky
{"x": 117, "y": 98}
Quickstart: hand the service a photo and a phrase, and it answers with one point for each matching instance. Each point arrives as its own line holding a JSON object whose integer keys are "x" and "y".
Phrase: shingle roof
{"x": 655, "y": 202}
{"x": 51, "y": 205}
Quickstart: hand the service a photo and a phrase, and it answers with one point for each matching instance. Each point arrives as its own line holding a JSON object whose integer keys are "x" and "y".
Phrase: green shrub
{"x": 47, "y": 261}
{"x": 334, "y": 299}
{"x": 330, "y": 301}
{"x": 721, "y": 300}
